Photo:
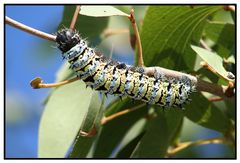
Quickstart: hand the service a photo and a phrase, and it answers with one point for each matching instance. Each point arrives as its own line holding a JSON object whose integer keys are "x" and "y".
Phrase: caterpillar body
{"x": 116, "y": 78}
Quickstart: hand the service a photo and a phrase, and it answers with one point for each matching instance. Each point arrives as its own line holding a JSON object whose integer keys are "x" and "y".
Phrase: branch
{"x": 29, "y": 29}
{"x": 185, "y": 145}
{"x": 201, "y": 85}
{"x": 139, "y": 45}
{"x": 118, "y": 114}
{"x": 37, "y": 83}
{"x": 75, "y": 16}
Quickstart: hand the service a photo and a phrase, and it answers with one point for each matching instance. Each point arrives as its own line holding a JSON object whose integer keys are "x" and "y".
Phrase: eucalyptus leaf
{"x": 204, "y": 113}
{"x": 231, "y": 109}
{"x": 223, "y": 35}
{"x": 213, "y": 60}
{"x": 61, "y": 119}
{"x": 168, "y": 31}
{"x": 214, "y": 30}
{"x": 101, "y": 11}
{"x": 137, "y": 129}
{"x": 114, "y": 131}
{"x": 158, "y": 135}
{"x": 128, "y": 149}
{"x": 83, "y": 143}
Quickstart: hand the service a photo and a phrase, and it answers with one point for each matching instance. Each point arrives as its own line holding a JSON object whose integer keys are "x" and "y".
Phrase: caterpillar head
{"x": 66, "y": 39}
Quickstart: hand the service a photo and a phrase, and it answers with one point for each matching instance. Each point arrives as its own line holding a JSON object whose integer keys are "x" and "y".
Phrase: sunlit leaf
{"x": 83, "y": 144}
{"x": 61, "y": 119}
{"x": 101, "y": 11}
{"x": 213, "y": 60}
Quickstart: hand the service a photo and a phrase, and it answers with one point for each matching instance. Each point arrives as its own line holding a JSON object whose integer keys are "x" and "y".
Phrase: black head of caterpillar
{"x": 116, "y": 78}
{"x": 66, "y": 39}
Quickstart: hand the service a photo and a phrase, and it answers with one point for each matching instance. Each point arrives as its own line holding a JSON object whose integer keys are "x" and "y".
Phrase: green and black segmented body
{"x": 117, "y": 78}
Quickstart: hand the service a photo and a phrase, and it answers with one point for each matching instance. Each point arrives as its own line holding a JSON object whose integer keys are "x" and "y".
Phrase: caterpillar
{"x": 115, "y": 78}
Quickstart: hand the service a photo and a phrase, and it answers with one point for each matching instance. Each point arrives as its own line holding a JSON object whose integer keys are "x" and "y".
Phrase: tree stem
{"x": 75, "y": 16}
{"x": 182, "y": 146}
{"x": 118, "y": 114}
{"x": 139, "y": 45}
{"x": 29, "y": 29}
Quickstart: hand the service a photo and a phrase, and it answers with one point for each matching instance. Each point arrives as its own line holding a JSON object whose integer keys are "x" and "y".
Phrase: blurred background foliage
{"x": 46, "y": 123}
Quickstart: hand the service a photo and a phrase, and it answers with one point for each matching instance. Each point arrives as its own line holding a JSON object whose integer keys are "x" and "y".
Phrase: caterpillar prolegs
{"x": 116, "y": 78}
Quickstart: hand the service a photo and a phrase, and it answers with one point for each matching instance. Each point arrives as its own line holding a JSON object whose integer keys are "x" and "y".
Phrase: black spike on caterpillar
{"x": 112, "y": 77}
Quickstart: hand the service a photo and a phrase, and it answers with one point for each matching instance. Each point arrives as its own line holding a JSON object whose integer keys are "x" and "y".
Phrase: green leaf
{"x": 214, "y": 30}
{"x": 223, "y": 34}
{"x": 159, "y": 134}
{"x": 101, "y": 11}
{"x": 83, "y": 144}
{"x": 231, "y": 109}
{"x": 128, "y": 149}
{"x": 113, "y": 132}
{"x": 177, "y": 133}
{"x": 135, "y": 130}
{"x": 233, "y": 15}
{"x": 204, "y": 113}
{"x": 168, "y": 31}
{"x": 61, "y": 119}
{"x": 89, "y": 27}
{"x": 230, "y": 59}
{"x": 222, "y": 16}
{"x": 213, "y": 60}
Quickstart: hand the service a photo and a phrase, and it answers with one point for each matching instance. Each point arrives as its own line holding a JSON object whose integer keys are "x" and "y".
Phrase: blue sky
{"x": 24, "y": 60}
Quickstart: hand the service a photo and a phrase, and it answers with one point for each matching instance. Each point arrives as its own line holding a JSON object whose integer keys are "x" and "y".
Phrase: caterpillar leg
{"x": 37, "y": 83}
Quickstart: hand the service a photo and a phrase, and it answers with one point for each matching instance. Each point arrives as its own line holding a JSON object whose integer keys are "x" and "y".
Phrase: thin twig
{"x": 205, "y": 65}
{"x": 185, "y": 145}
{"x": 118, "y": 114}
{"x": 75, "y": 16}
{"x": 37, "y": 83}
{"x": 29, "y": 29}
{"x": 213, "y": 89}
{"x": 139, "y": 45}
